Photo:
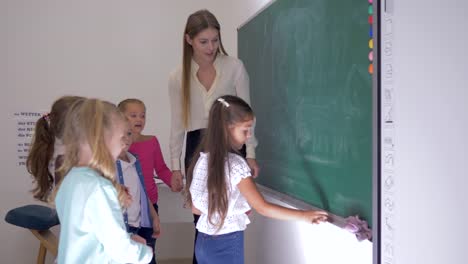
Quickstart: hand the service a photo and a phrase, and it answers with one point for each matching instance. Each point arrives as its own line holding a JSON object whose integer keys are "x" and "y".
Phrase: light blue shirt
{"x": 92, "y": 227}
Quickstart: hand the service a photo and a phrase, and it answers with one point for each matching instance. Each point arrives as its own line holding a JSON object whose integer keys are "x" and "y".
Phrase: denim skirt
{"x": 220, "y": 249}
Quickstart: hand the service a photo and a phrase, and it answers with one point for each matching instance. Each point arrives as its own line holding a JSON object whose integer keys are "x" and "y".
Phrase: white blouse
{"x": 132, "y": 181}
{"x": 231, "y": 79}
{"x": 236, "y": 169}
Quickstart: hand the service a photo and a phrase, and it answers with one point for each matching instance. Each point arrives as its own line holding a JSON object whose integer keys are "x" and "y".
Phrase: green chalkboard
{"x": 312, "y": 95}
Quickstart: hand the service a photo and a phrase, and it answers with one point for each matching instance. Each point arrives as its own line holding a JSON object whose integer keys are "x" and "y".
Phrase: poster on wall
{"x": 24, "y": 130}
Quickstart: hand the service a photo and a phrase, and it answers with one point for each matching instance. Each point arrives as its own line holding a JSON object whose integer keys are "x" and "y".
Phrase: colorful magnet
{"x": 371, "y": 44}
{"x": 370, "y": 10}
{"x": 371, "y": 19}
{"x": 371, "y": 55}
{"x": 371, "y": 68}
{"x": 370, "y": 1}
{"x": 370, "y": 32}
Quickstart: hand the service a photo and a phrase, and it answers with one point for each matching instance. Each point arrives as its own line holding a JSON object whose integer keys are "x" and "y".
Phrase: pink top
{"x": 151, "y": 159}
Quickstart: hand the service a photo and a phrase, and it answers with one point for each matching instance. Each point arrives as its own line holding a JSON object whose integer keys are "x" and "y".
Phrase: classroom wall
{"x": 115, "y": 49}
{"x": 430, "y": 63}
{"x": 111, "y": 49}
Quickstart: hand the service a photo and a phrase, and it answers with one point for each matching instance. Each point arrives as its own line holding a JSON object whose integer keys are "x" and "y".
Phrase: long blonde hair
{"x": 88, "y": 122}
{"x": 196, "y": 22}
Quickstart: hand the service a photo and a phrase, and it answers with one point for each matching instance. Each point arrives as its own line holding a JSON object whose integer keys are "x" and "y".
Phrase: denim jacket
{"x": 146, "y": 220}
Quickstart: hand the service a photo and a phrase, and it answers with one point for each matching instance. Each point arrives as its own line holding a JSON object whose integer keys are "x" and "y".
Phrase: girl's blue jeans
{"x": 217, "y": 249}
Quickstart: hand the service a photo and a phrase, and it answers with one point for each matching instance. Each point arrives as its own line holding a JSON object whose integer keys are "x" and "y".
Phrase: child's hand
{"x": 156, "y": 227}
{"x": 315, "y": 217}
{"x": 177, "y": 182}
{"x": 125, "y": 199}
{"x": 128, "y": 197}
{"x": 138, "y": 239}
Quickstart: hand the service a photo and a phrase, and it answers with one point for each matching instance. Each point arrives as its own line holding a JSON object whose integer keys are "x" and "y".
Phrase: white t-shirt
{"x": 132, "y": 182}
{"x": 236, "y": 169}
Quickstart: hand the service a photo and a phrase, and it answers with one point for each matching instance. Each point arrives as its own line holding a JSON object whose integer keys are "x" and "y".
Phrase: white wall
{"x": 431, "y": 126}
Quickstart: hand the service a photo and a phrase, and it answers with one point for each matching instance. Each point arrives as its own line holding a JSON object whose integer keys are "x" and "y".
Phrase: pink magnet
{"x": 371, "y": 56}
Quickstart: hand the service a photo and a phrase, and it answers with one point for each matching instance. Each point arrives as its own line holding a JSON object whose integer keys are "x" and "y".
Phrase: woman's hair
{"x": 196, "y": 23}
{"x": 89, "y": 122}
{"x": 226, "y": 111}
{"x": 48, "y": 127}
{"x": 123, "y": 104}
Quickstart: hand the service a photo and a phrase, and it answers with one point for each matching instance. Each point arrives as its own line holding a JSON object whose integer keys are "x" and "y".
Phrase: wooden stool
{"x": 38, "y": 219}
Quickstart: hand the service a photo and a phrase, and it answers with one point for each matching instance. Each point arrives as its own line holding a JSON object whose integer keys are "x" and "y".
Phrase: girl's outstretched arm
{"x": 249, "y": 190}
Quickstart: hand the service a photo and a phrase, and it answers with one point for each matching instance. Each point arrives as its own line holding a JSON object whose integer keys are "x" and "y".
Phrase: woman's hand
{"x": 196, "y": 211}
{"x": 177, "y": 181}
{"x": 253, "y": 167}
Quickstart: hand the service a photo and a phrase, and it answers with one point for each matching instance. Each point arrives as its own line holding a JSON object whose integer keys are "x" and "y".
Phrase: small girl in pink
{"x": 148, "y": 151}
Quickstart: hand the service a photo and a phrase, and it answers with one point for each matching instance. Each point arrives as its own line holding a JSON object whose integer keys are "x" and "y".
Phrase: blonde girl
{"x": 87, "y": 198}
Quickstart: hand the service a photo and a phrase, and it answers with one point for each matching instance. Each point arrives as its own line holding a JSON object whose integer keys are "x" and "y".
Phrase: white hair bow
{"x": 221, "y": 100}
